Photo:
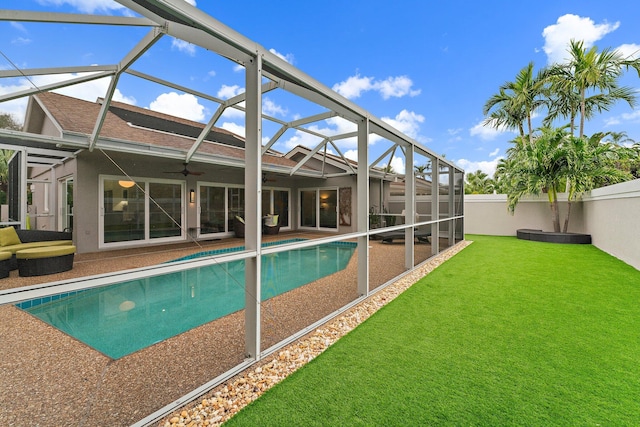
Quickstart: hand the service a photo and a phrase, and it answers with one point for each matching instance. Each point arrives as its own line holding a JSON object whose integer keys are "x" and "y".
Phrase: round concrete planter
{"x": 553, "y": 237}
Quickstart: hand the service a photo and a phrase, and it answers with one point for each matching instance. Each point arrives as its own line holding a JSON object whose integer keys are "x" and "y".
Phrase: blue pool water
{"x": 122, "y": 318}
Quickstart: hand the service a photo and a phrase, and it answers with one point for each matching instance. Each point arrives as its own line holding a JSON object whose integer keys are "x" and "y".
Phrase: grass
{"x": 508, "y": 332}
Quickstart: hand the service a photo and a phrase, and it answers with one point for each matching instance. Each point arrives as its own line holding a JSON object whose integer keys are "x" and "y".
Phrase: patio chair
{"x": 238, "y": 226}
{"x": 271, "y": 224}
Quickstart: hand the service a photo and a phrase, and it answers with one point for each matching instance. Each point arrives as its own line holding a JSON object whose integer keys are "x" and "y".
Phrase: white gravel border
{"x": 219, "y": 405}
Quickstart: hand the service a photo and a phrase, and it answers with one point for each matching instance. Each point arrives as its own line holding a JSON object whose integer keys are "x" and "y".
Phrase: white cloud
{"x": 184, "y": 105}
{"x": 406, "y": 122}
{"x": 567, "y": 27}
{"x": 351, "y": 155}
{"x": 486, "y": 133}
{"x": 396, "y": 87}
{"x": 18, "y": 26}
{"x": 612, "y": 121}
{"x": 486, "y": 166}
{"x": 397, "y": 163}
{"x": 87, "y": 6}
{"x": 183, "y": 46}
{"x": 233, "y": 113}
{"x": 288, "y": 57}
{"x": 21, "y": 41}
{"x": 329, "y": 127}
{"x": 633, "y": 117}
{"x": 271, "y": 108}
{"x": 234, "y": 127}
{"x": 494, "y": 152}
{"x": 227, "y": 92}
{"x": 300, "y": 138}
{"x": 88, "y": 91}
{"x": 455, "y": 135}
{"x": 353, "y": 86}
{"x": 630, "y": 51}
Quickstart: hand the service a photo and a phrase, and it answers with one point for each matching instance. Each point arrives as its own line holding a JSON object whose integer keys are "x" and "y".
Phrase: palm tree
{"x": 554, "y": 159}
{"x": 590, "y": 164}
{"x": 537, "y": 168}
{"x": 588, "y": 83}
{"x": 421, "y": 170}
{"x": 478, "y": 182}
{"x": 516, "y": 102}
{"x": 6, "y": 122}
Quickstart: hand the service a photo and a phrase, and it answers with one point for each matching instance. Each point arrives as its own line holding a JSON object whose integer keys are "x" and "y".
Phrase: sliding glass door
{"x": 219, "y": 204}
{"x": 144, "y": 210}
{"x": 276, "y": 202}
{"x": 319, "y": 208}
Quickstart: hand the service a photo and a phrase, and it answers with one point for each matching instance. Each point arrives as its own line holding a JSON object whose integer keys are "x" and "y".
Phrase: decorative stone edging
{"x": 226, "y": 400}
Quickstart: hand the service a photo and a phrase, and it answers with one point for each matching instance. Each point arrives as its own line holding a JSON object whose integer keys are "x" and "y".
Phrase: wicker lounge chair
{"x": 390, "y": 236}
{"x": 45, "y": 260}
{"x": 271, "y": 225}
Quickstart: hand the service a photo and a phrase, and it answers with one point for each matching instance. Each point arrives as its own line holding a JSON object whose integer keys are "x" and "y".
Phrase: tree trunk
{"x": 566, "y": 219}
{"x": 582, "y": 111}
{"x": 555, "y": 214}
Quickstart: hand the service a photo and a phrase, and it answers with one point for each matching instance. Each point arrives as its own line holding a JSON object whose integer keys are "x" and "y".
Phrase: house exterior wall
{"x": 335, "y": 182}
{"x": 91, "y": 165}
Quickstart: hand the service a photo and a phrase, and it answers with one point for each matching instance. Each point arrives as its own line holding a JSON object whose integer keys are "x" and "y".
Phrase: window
{"x": 140, "y": 211}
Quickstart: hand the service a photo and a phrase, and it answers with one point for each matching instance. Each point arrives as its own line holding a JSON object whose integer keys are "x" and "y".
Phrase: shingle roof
{"x": 128, "y": 122}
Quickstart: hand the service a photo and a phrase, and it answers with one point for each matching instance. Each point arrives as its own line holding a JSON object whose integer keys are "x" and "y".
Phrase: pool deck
{"x": 49, "y": 378}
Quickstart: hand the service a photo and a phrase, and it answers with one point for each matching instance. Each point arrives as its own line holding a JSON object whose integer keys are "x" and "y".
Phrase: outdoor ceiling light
{"x": 126, "y": 184}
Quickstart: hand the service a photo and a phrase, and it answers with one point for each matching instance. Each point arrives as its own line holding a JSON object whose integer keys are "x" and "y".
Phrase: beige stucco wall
{"x": 609, "y": 214}
{"x": 612, "y": 218}
{"x": 91, "y": 165}
{"x": 488, "y": 214}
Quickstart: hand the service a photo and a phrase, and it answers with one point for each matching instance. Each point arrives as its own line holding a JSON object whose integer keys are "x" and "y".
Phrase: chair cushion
{"x": 271, "y": 221}
{"x": 8, "y": 237}
{"x": 15, "y": 248}
{"x": 45, "y": 252}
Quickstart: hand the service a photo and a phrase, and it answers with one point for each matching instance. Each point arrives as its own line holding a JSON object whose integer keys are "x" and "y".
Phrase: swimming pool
{"x": 125, "y": 317}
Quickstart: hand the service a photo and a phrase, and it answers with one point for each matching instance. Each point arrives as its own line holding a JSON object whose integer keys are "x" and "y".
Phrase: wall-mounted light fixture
{"x": 192, "y": 196}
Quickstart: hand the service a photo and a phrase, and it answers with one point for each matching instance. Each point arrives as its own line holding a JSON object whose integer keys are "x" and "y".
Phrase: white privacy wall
{"x": 610, "y": 214}
{"x": 488, "y": 214}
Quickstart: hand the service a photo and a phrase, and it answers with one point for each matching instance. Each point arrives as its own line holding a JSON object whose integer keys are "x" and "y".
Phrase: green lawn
{"x": 507, "y": 332}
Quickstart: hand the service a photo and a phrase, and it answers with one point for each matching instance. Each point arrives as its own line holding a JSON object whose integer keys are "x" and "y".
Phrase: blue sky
{"x": 425, "y": 67}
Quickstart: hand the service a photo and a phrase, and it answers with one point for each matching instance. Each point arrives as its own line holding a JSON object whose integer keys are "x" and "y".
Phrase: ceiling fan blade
{"x": 186, "y": 171}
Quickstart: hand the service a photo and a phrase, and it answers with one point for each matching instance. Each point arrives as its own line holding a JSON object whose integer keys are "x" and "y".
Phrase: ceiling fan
{"x": 265, "y": 179}
{"x": 186, "y": 171}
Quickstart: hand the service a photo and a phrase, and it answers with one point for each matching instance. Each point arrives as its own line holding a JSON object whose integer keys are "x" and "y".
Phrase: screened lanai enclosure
{"x": 262, "y": 241}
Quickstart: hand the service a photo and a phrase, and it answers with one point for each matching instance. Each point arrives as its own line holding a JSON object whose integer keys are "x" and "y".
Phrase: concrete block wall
{"x": 610, "y": 214}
